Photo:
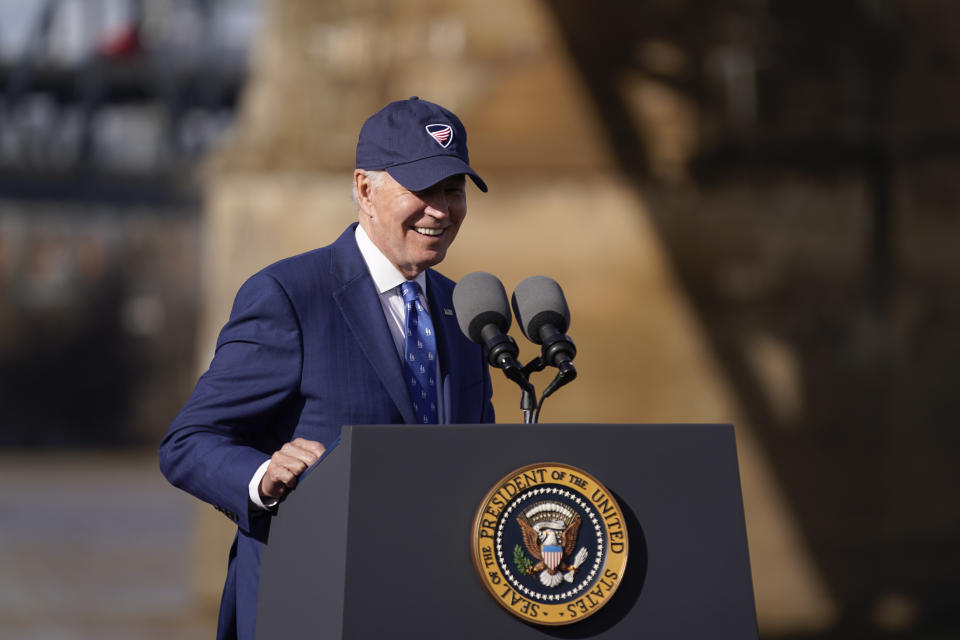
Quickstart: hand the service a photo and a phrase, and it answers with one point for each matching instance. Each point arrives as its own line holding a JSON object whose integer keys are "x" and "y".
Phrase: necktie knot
{"x": 410, "y": 291}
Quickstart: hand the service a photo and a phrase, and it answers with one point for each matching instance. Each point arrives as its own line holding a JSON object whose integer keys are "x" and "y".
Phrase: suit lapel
{"x": 358, "y": 303}
{"x": 441, "y": 312}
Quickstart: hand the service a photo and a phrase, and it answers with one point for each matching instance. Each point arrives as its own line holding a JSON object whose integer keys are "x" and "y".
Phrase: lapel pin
{"x": 448, "y": 312}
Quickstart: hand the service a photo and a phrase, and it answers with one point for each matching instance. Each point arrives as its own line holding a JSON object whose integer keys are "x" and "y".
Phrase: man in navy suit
{"x": 317, "y": 341}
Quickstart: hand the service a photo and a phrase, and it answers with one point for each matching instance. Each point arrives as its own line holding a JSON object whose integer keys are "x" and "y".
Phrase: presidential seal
{"x": 549, "y": 543}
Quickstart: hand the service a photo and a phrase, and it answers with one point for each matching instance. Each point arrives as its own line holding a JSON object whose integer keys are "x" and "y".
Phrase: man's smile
{"x": 428, "y": 231}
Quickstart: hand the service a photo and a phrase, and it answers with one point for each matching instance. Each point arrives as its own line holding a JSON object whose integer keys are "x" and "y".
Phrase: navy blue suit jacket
{"x": 306, "y": 350}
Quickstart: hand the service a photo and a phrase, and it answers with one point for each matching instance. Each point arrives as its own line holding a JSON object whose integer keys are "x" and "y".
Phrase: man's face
{"x": 412, "y": 229}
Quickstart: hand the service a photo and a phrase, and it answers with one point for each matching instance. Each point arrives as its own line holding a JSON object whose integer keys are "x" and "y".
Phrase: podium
{"x": 375, "y": 541}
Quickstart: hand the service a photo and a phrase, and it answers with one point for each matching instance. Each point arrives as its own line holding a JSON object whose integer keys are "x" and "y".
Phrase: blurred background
{"x": 752, "y": 207}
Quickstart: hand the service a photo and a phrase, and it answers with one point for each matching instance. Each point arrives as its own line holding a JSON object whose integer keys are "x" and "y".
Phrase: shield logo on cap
{"x": 442, "y": 133}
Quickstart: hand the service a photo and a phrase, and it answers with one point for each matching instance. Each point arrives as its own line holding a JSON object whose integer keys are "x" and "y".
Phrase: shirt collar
{"x": 385, "y": 276}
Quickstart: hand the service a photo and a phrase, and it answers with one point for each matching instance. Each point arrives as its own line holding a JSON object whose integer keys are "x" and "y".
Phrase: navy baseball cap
{"x": 417, "y": 142}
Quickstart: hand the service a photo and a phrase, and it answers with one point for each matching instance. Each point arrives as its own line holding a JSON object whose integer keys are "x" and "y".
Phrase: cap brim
{"x": 422, "y": 174}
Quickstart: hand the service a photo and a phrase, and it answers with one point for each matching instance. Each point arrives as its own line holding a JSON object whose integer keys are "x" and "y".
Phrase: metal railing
{"x": 120, "y": 87}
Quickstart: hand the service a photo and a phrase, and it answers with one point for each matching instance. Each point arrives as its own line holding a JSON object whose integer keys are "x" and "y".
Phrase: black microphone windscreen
{"x": 539, "y": 301}
{"x": 479, "y": 299}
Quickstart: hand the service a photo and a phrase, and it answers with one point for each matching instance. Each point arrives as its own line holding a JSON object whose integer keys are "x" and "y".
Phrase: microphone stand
{"x": 532, "y": 416}
{"x": 566, "y": 373}
{"x": 529, "y": 407}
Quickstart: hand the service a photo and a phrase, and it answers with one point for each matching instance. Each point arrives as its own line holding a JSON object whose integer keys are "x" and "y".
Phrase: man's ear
{"x": 364, "y": 187}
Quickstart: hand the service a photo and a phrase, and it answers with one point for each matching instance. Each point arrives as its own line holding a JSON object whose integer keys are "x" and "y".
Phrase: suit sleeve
{"x": 223, "y": 433}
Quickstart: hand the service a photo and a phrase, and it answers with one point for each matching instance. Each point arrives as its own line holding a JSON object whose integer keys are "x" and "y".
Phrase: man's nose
{"x": 438, "y": 207}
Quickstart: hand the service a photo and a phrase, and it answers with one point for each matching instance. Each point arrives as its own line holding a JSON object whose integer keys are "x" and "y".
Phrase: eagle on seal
{"x": 550, "y": 535}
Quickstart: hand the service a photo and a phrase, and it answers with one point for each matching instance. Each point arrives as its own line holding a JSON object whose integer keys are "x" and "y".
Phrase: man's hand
{"x": 286, "y": 465}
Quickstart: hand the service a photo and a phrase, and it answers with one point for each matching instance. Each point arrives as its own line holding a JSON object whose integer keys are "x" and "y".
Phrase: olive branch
{"x": 523, "y": 563}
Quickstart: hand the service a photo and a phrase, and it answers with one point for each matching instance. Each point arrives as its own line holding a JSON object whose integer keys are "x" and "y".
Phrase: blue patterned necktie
{"x": 420, "y": 351}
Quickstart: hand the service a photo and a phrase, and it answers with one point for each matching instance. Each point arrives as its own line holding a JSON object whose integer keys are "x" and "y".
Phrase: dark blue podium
{"x": 375, "y": 542}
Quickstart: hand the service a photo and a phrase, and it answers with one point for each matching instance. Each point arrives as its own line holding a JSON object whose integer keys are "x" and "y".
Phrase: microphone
{"x": 544, "y": 318}
{"x": 480, "y": 302}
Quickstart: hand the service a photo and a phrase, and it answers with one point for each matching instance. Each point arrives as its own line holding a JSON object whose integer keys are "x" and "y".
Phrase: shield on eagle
{"x": 552, "y": 555}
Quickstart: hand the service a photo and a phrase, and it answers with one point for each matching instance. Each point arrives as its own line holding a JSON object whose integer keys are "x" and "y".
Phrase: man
{"x": 358, "y": 332}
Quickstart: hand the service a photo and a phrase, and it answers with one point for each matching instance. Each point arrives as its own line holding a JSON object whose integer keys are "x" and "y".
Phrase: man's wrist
{"x": 254, "y": 488}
